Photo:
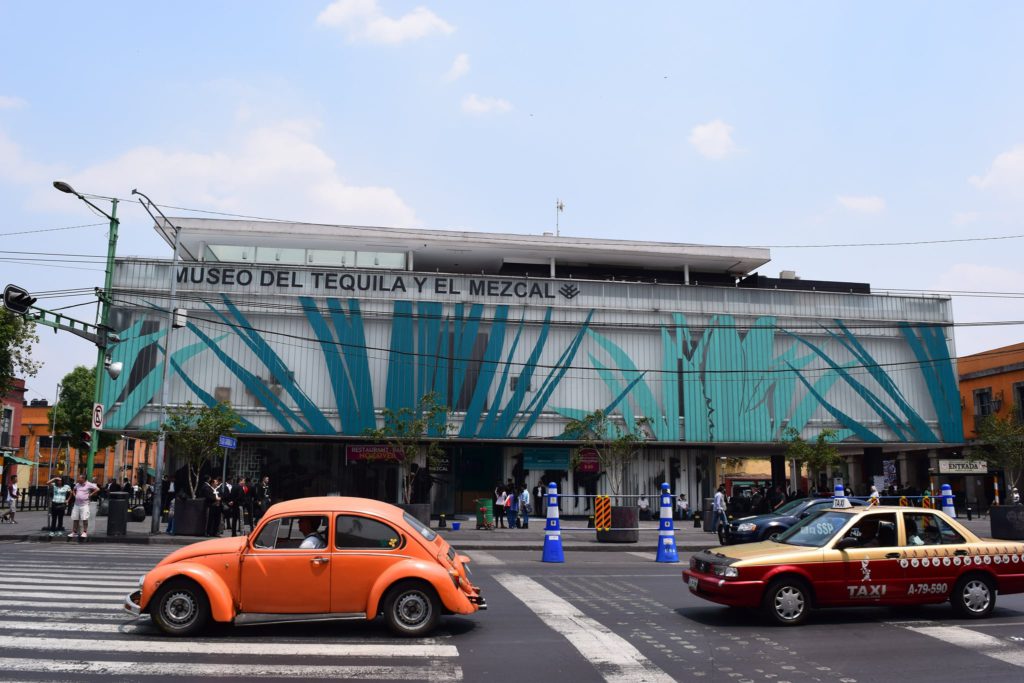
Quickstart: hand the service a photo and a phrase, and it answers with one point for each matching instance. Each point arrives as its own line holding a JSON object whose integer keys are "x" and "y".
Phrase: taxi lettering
{"x": 875, "y": 591}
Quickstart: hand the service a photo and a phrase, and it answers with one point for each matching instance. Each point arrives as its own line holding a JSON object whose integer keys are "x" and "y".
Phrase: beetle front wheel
{"x": 180, "y": 608}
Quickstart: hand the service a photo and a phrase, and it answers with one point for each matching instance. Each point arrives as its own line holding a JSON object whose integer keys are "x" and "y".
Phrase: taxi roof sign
{"x": 841, "y": 503}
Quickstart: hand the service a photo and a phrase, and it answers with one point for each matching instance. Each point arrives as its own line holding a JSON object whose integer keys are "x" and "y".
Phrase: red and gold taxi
{"x": 861, "y": 556}
{"x": 313, "y": 559}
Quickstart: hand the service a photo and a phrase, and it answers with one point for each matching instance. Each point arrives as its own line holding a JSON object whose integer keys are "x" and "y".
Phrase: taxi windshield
{"x": 815, "y": 531}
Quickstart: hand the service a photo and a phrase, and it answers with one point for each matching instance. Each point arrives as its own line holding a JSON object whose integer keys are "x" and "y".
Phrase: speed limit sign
{"x": 97, "y": 416}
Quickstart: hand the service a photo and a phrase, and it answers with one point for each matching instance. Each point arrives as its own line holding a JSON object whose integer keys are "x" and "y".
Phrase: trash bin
{"x": 708, "y": 515}
{"x": 484, "y": 513}
{"x": 117, "y": 514}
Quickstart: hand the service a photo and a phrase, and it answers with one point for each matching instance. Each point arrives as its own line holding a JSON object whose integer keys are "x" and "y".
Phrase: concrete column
{"x": 855, "y": 482}
{"x": 903, "y": 468}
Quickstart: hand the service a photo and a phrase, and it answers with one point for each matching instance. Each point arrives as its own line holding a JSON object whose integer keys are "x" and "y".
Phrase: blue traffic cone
{"x": 947, "y": 500}
{"x": 666, "y": 529}
{"x": 552, "y": 530}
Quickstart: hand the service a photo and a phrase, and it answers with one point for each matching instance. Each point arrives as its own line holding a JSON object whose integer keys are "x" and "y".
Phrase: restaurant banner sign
{"x": 372, "y": 454}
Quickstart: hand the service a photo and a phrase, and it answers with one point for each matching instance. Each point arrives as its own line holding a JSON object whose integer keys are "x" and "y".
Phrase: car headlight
{"x": 747, "y": 526}
{"x": 142, "y": 580}
{"x": 726, "y": 571}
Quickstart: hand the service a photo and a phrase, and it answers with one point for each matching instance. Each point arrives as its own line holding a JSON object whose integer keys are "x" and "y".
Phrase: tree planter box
{"x": 190, "y": 517}
{"x": 623, "y": 517}
{"x": 420, "y": 511}
{"x": 1007, "y": 522}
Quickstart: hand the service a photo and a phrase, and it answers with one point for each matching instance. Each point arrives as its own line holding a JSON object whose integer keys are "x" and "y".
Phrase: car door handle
{"x": 960, "y": 553}
{"x": 892, "y": 556}
{"x": 320, "y": 560}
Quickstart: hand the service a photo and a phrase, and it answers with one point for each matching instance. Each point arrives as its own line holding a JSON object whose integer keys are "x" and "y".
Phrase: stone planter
{"x": 190, "y": 517}
{"x": 1007, "y": 522}
{"x": 420, "y": 511}
{"x": 623, "y": 517}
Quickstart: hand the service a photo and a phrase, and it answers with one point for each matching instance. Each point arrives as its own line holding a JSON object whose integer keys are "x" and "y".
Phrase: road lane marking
{"x": 112, "y": 605}
{"x": 179, "y": 647}
{"x": 67, "y": 580}
{"x": 982, "y": 643}
{"x": 434, "y": 671}
{"x": 116, "y": 614}
{"x": 63, "y": 594}
{"x": 483, "y": 559}
{"x": 642, "y": 556}
{"x": 69, "y": 587}
{"x": 616, "y": 660}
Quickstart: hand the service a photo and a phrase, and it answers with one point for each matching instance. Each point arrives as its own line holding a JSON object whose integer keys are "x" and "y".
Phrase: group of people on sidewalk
{"x": 76, "y": 497}
{"x": 512, "y": 504}
{"x": 228, "y": 507}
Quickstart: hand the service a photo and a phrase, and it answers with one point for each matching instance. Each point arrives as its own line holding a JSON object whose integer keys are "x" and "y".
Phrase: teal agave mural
{"x": 727, "y": 385}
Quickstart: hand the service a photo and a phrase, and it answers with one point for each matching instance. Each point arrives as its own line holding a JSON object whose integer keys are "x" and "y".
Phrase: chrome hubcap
{"x": 977, "y": 596}
{"x": 789, "y": 603}
{"x": 180, "y": 608}
{"x": 412, "y": 609}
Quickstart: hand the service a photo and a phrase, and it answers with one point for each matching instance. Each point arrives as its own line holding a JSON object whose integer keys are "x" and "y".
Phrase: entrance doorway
{"x": 477, "y": 470}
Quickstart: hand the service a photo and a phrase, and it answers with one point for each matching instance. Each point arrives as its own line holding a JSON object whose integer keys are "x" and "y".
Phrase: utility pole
{"x": 559, "y": 208}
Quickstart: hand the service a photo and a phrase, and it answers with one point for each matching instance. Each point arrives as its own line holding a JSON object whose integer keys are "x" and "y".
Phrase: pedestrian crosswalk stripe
{"x": 67, "y": 595}
{"x": 72, "y": 581}
{"x": 128, "y": 625}
{"x": 68, "y": 570}
{"x": 616, "y": 660}
{"x": 165, "y": 646}
{"x": 110, "y": 605}
{"x": 434, "y": 671}
{"x": 108, "y": 613}
{"x": 69, "y": 587}
{"x": 982, "y": 643}
{"x": 484, "y": 559}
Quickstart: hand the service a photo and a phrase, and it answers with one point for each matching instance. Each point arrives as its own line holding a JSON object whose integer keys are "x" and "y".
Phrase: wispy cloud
{"x": 713, "y": 140}
{"x": 1006, "y": 173}
{"x": 862, "y": 203}
{"x": 7, "y": 102}
{"x": 459, "y": 68}
{"x": 476, "y": 105}
{"x": 363, "y": 20}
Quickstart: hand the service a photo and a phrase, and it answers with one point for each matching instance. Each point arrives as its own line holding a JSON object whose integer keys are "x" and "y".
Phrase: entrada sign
{"x": 963, "y": 467}
{"x": 315, "y": 282}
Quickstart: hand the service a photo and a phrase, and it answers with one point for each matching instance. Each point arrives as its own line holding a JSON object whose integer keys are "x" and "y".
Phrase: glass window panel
{"x": 280, "y": 255}
{"x": 380, "y": 259}
{"x": 229, "y": 253}
{"x": 352, "y": 531}
{"x": 330, "y": 257}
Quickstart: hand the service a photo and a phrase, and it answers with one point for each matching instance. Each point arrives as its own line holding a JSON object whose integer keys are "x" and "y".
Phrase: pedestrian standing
{"x": 645, "y": 506}
{"x": 84, "y": 491}
{"x": 58, "y": 505}
{"x": 263, "y": 494}
{"x": 171, "y": 504}
{"x": 208, "y": 492}
{"x": 524, "y": 506}
{"x": 12, "y": 500}
{"x": 512, "y": 508}
{"x": 232, "y": 505}
{"x": 683, "y": 507}
{"x": 500, "y": 498}
{"x": 538, "y": 498}
{"x": 718, "y": 508}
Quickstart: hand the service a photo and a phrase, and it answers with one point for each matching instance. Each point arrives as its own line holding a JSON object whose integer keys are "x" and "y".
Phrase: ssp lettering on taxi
{"x": 843, "y": 556}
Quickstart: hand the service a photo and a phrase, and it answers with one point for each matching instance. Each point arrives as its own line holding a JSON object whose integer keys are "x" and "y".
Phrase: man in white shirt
{"x": 718, "y": 507}
{"x": 308, "y": 528}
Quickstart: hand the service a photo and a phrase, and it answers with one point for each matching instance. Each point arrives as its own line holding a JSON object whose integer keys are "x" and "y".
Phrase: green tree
{"x": 193, "y": 433}
{"x": 1001, "y": 444}
{"x": 407, "y": 431}
{"x": 74, "y": 410}
{"x": 17, "y": 336}
{"x": 820, "y": 456}
{"x": 616, "y": 444}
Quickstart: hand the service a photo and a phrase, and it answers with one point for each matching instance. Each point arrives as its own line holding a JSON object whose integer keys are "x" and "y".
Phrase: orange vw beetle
{"x": 313, "y": 559}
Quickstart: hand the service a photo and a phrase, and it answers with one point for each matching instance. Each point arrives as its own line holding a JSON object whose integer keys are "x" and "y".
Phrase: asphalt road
{"x": 598, "y": 617}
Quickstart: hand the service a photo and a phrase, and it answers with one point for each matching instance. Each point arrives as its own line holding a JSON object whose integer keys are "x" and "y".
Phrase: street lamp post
{"x": 101, "y": 351}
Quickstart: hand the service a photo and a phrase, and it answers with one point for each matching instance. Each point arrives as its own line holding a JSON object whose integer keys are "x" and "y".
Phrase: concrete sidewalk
{"x": 575, "y": 535}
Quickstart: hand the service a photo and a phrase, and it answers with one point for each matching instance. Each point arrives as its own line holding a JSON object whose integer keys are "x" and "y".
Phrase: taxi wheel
{"x": 974, "y": 596}
{"x": 787, "y": 601}
{"x": 180, "y": 608}
{"x": 412, "y": 609}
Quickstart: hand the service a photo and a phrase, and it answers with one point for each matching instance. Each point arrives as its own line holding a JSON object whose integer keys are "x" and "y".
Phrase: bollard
{"x": 968, "y": 513}
{"x": 947, "y": 500}
{"x": 442, "y": 522}
{"x": 552, "y": 529}
{"x": 696, "y": 520}
{"x": 666, "y": 533}
{"x": 590, "y": 522}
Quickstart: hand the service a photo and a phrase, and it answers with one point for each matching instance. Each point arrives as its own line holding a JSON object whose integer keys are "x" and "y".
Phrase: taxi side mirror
{"x": 847, "y": 542}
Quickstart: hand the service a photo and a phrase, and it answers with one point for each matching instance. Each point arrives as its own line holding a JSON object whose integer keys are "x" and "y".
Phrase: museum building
{"x": 311, "y": 331}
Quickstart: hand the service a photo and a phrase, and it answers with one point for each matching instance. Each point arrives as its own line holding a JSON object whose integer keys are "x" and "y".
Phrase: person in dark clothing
{"x": 263, "y": 499}
{"x": 539, "y": 490}
{"x": 229, "y": 495}
{"x": 208, "y": 492}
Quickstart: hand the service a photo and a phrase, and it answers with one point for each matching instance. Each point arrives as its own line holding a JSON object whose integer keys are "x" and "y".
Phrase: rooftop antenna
{"x": 559, "y": 208}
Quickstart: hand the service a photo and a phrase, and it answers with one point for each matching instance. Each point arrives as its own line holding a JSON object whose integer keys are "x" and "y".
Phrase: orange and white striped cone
{"x": 666, "y": 529}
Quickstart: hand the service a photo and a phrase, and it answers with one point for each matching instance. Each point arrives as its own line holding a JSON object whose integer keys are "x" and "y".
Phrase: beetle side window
{"x": 306, "y": 532}
{"x": 352, "y": 531}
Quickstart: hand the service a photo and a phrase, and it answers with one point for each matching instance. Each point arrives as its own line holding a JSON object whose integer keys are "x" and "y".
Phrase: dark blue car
{"x": 763, "y": 527}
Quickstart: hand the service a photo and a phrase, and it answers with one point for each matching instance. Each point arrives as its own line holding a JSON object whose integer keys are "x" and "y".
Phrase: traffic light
{"x": 17, "y": 300}
{"x": 86, "y": 438}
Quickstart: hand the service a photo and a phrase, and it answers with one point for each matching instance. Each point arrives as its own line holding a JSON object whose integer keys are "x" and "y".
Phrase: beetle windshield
{"x": 815, "y": 531}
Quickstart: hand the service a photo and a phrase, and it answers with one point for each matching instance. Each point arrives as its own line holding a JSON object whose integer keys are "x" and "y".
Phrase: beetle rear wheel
{"x": 180, "y": 608}
{"x": 412, "y": 609}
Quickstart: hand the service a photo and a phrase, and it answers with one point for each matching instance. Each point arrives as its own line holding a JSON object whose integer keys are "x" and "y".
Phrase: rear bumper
{"x": 724, "y": 591}
{"x": 131, "y": 603}
{"x": 479, "y": 601}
